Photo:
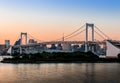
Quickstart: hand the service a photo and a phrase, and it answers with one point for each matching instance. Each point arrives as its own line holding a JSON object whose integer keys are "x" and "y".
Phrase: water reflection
{"x": 60, "y": 73}
{"x": 89, "y": 73}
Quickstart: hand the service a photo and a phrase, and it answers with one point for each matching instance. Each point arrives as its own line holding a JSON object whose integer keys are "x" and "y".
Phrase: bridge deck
{"x": 60, "y": 42}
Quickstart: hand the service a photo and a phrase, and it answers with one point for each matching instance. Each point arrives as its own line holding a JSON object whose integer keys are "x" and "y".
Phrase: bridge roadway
{"x": 60, "y": 42}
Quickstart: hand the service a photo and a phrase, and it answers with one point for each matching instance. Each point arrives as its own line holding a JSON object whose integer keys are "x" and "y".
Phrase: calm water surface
{"x": 60, "y": 73}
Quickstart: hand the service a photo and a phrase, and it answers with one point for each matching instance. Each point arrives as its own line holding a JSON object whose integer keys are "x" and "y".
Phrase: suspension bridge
{"x": 35, "y": 45}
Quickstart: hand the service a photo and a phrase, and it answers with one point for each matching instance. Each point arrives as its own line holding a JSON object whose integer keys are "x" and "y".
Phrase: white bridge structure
{"x": 113, "y": 48}
{"x": 105, "y": 47}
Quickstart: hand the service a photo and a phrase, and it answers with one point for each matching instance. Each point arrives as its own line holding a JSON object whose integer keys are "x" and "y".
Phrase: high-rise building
{"x": 7, "y": 43}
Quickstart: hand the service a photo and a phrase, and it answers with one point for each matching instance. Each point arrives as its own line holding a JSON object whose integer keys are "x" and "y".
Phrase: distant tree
{"x": 16, "y": 55}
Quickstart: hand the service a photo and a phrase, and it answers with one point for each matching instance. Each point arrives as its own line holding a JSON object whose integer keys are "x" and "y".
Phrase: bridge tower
{"x": 21, "y": 38}
{"x": 86, "y": 41}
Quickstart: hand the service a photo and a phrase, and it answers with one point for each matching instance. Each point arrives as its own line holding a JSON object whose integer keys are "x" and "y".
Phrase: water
{"x": 60, "y": 73}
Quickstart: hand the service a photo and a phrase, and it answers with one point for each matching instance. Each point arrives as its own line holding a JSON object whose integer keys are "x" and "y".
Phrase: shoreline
{"x": 8, "y": 60}
{"x": 76, "y": 57}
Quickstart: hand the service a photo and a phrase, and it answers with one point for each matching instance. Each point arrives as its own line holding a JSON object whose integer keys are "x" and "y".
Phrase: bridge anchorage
{"x": 35, "y": 45}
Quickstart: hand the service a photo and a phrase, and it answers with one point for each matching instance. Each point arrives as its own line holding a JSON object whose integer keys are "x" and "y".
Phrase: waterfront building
{"x": 32, "y": 41}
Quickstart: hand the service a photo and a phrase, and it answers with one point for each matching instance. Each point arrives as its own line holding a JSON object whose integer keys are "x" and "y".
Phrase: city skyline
{"x": 49, "y": 19}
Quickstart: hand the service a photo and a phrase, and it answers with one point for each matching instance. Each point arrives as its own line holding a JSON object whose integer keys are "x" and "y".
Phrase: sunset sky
{"x": 49, "y": 19}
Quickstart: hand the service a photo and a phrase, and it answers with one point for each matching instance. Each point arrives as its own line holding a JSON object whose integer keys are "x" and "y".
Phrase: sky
{"x": 50, "y": 19}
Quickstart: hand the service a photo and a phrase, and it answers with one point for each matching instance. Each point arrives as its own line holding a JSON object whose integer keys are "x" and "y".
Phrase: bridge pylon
{"x": 21, "y": 38}
{"x": 88, "y": 25}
